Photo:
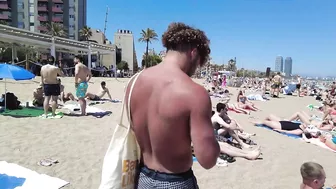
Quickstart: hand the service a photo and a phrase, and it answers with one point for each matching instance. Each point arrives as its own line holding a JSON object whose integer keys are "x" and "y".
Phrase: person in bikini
{"x": 103, "y": 90}
{"x": 38, "y": 96}
{"x": 165, "y": 118}
{"x": 51, "y": 86}
{"x": 277, "y": 79}
{"x": 244, "y": 103}
{"x": 82, "y": 77}
{"x": 64, "y": 97}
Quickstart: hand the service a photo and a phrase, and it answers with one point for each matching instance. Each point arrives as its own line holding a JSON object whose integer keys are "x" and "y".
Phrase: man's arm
{"x": 108, "y": 93}
{"x": 89, "y": 75}
{"x": 206, "y": 147}
{"x": 76, "y": 74}
{"x": 59, "y": 72}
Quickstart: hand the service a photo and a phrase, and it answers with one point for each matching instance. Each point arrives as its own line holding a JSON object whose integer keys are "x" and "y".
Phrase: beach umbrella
{"x": 9, "y": 71}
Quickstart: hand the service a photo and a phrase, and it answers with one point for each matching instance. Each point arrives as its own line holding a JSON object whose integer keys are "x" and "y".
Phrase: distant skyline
{"x": 253, "y": 31}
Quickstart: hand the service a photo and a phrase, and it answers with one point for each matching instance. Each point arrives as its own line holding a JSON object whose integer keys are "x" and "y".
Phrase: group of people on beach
{"x": 51, "y": 90}
{"x": 169, "y": 133}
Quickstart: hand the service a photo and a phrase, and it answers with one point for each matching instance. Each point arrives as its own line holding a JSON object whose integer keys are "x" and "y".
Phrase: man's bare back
{"x": 82, "y": 73}
{"x": 49, "y": 74}
{"x": 160, "y": 109}
{"x": 277, "y": 79}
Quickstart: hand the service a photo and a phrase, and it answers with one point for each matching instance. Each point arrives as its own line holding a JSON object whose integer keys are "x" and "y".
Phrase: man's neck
{"x": 177, "y": 59}
{"x": 304, "y": 186}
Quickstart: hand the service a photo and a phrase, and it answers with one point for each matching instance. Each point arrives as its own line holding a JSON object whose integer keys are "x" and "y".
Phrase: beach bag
{"x": 123, "y": 154}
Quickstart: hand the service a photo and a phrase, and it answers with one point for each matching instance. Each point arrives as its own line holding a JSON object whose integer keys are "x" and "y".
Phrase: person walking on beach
{"x": 169, "y": 111}
{"x": 313, "y": 176}
{"x": 50, "y": 86}
{"x": 298, "y": 86}
{"x": 82, "y": 77}
{"x": 277, "y": 80}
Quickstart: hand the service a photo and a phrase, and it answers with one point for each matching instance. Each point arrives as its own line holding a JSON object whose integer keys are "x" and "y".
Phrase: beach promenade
{"x": 80, "y": 143}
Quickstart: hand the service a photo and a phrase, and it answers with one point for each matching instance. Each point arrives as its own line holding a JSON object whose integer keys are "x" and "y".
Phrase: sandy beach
{"x": 80, "y": 143}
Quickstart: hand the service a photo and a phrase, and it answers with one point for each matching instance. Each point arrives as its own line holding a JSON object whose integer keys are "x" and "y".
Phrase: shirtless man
{"x": 165, "y": 117}
{"x": 64, "y": 97}
{"x": 298, "y": 86}
{"x": 277, "y": 79}
{"x": 103, "y": 90}
{"x": 38, "y": 96}
{"x": 50, "y": 86}
{"x": 313, "y": 176}
{"x": 82, "y": 77}
{"x": 224, "y": 125}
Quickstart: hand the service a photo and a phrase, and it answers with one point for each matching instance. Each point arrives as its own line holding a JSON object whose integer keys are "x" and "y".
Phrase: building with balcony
{"x": 35, "y": 15}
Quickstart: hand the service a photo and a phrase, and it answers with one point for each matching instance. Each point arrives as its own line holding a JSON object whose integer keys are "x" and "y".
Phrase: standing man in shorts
{"x": 170, "y": 111}
{"x": 277, "y": 81}
{"x": 51, "y": 86}
{"x": 82, "y": 77}
{"x": 298, "y": 85}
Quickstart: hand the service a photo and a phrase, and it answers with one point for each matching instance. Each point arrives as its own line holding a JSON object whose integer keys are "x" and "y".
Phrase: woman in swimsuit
{"x": 244, "y": 103}
{"x": 283, "y": 126}
{"x": 329, "y": 141}
{"x": 303, "y": 117}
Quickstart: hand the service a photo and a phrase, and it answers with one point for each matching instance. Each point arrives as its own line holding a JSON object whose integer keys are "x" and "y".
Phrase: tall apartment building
{"x": 34, "y": 15}
{"x": 278, "y": 64}
{"x": 288, "y": 66}
{"x": 124, "y": 40}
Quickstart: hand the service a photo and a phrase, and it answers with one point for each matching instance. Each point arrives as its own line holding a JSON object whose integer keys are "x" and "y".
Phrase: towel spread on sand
{"x": 14, "y": 176}
{"x": 24, "y": 112}
{"x": 286, "y": 134}
{"x": 90, "y": 110}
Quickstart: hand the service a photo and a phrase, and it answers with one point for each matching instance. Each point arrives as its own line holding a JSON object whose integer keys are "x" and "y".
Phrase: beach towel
{"x": 286, "y": 134}
{"x": 14, "y": 176}
{"x": 123, "y": 154}
{"x": 90, "y": 110}
{"x": 58, "y": 115}
{"x": 317, "y": 142}
{"x": 24, "y": 112}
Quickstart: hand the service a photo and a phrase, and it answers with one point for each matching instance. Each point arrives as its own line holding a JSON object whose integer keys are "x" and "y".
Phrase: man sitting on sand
{"x": 103, "y": 90}
{"x": 38, "y": 96}
{"x": 51, "y": 86}
{"x": 217, "y": 120}
{"x": 225, "y": 126}
{"x": 64, "y": 97}
{"x": 313, "y": 176}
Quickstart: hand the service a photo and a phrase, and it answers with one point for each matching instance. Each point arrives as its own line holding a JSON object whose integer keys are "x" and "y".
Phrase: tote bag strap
{"x": 134, "y": 78}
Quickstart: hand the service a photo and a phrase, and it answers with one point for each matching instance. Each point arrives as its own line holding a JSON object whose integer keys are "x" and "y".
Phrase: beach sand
{"x": 80, "y": 143}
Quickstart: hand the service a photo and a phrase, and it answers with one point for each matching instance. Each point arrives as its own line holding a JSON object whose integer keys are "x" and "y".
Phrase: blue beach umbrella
{"x": 17, "y": 73}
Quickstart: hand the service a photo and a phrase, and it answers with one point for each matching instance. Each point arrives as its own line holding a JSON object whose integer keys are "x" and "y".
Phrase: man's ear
{"x": 194, "y": 52}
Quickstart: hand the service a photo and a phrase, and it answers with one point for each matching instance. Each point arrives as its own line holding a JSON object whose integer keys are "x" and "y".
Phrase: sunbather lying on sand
{"x": 244, "y": 103}
{"x": 305, "y": 119}
{"x": 284, "y": 127}
{"x": 223, "y": 125}
{"x": 235, "y": 108}
{"x": 64, "y": 97}
{"x": 329, "y": 141}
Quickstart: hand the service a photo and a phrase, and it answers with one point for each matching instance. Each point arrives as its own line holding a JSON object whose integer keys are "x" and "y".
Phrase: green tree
{"x": 85, "y": 33}
{"x": 147, "y": 36}
{"x": 3, "y": 22}
{"x": 123, "y": 65}
{"x": 153, "y": 59}
{"x": 56, "y": 29}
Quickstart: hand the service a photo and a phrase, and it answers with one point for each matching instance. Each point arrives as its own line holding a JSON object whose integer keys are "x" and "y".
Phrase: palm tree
{"x": 85, "y": 33}
{"x": 56, "y": 29}
{"x": 147, "y": 36}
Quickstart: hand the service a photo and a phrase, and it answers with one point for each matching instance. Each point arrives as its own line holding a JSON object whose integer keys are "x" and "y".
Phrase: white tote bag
{"x": 123, "y": 154}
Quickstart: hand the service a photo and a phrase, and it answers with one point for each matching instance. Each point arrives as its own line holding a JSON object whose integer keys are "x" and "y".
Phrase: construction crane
{"x": 107, "y": 10}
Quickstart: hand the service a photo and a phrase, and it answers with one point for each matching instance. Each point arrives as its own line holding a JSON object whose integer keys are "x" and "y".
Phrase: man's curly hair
{"x": 180, "y": 37}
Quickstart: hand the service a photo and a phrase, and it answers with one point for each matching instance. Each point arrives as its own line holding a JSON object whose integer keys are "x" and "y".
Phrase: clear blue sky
{"x": 254, "y": 31}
